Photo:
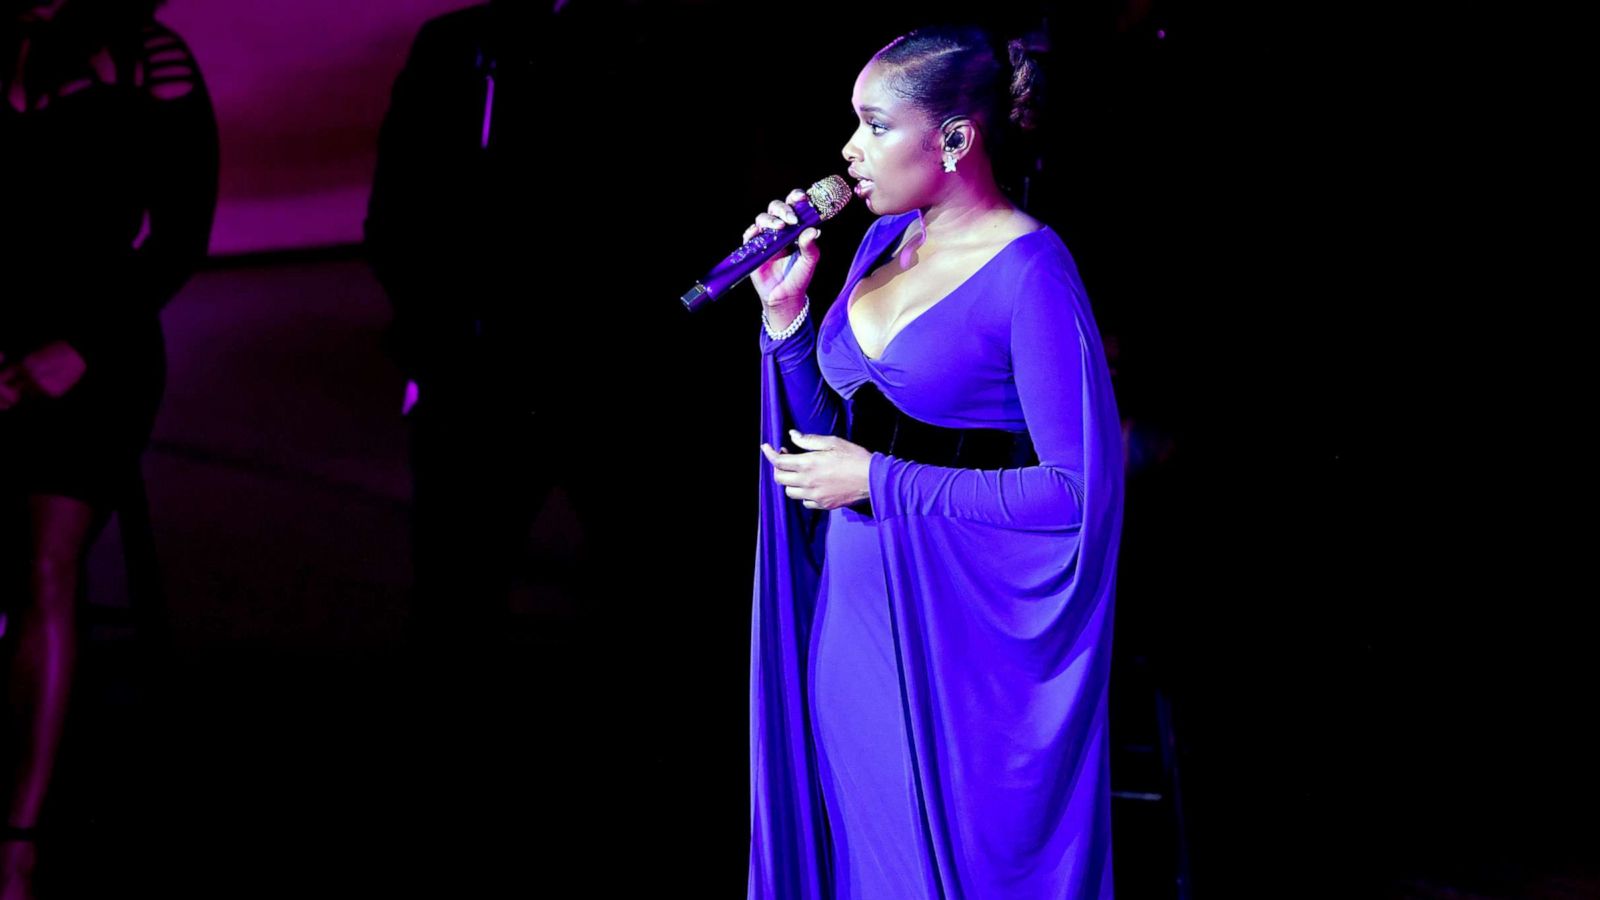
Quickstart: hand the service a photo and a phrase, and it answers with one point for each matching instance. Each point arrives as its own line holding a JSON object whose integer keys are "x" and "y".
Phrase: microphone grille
{"x": 830, "y": 195}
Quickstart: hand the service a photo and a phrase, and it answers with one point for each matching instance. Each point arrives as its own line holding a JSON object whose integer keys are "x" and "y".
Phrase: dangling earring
{"x": 949, "y": 161}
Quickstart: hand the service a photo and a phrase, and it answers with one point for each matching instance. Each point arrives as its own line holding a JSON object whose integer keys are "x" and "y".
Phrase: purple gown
{"x": 928, "y": 686}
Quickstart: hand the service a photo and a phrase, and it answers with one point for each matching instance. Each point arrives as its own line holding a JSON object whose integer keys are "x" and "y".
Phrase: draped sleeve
{"x": 788, "y": 825}
{"x": 1001, "y": 587}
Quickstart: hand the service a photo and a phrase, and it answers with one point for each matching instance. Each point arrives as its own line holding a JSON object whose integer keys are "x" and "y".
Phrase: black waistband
{"x": 880, "y": 426}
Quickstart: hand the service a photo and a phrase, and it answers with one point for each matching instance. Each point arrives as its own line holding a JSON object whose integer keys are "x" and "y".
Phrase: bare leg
{"x": 41, "y": 667}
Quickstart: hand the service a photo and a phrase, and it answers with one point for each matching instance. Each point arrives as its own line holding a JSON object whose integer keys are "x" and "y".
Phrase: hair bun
{"x": 1024, "y": 75}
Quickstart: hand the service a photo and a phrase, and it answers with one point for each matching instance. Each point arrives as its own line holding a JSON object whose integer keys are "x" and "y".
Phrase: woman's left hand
{"x": 49, "y": 371}
{"x": 834, "y": 473}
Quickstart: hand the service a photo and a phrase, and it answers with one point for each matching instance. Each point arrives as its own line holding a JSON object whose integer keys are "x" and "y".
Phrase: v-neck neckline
{"x": 878, "y": 262}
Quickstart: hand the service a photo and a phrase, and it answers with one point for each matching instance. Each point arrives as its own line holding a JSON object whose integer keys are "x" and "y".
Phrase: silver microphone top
{"x": 829, "y": 195}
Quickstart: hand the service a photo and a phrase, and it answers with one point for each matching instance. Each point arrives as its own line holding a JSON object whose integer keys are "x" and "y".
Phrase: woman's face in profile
{"x": 893, "y": 154}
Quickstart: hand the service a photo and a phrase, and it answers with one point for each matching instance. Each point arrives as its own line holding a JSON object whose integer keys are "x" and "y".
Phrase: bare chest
{"x": 903, "y": 289}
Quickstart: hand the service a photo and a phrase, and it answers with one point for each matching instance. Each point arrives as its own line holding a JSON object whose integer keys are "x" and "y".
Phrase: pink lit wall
{"x": 300, "y": 88}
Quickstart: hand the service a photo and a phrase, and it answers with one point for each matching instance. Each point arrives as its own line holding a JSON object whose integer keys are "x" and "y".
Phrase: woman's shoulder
{"x": 1041, "y": 247}
{"x": 1022, "y": 223}
{"x": 1045, "y": 274}
{"x": 990, "y": 236}
{"x": 1006, "y": 243}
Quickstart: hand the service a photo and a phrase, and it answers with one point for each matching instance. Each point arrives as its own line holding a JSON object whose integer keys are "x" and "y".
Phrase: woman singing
{"x": 938, "y": 538}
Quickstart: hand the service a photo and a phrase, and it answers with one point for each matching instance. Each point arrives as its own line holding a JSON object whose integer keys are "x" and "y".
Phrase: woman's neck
{"x": 973, "y": 204}
{"x": 964, "y": 219}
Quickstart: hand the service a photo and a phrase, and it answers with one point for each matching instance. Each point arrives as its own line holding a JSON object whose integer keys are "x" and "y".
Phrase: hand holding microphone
{"x": 781, "y": 282}
{"x": 786, "y": 221}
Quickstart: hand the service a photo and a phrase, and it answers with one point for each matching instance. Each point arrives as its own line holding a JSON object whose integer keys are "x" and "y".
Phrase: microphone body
{"x": 823, "y": 200}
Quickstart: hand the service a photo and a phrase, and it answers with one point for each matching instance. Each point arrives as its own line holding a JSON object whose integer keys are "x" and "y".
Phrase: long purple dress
{"x": 928, "y": 684}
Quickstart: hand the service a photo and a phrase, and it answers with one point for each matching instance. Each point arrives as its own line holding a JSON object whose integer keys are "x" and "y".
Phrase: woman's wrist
{"x": 784, "y": 319}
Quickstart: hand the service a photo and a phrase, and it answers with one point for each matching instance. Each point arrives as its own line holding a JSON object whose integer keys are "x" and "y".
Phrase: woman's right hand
{"x": 783, "y": 294}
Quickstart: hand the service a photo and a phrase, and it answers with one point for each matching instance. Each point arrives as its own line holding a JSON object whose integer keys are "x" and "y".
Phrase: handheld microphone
{"x": 823, "y": 201}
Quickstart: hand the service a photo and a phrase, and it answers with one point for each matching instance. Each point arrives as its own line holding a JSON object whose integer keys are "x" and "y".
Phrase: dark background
{"x": 1341, "y": 574}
